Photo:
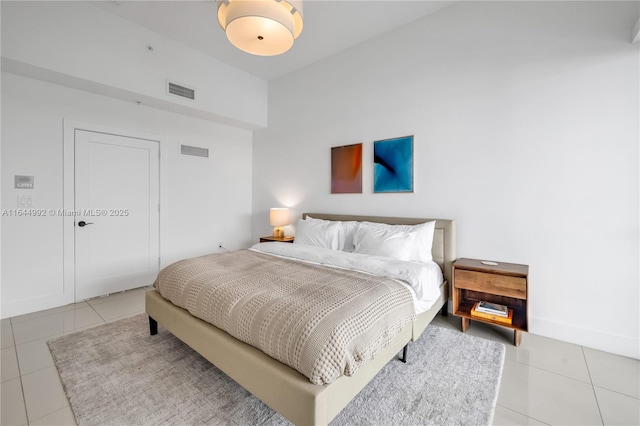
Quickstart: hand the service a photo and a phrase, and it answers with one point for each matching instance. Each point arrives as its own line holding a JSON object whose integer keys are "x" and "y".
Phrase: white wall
{"x": 82, "y": 46}
{"x": 203, "y": 201}
{"x": 526, "y": 118}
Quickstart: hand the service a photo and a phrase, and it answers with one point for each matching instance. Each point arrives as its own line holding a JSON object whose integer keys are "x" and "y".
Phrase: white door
{"x": 117, "y": 213}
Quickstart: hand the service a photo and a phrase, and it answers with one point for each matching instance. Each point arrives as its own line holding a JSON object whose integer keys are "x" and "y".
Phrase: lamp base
{"x": 278, "y": 231}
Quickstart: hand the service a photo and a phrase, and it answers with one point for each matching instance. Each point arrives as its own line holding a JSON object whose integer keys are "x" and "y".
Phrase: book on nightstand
{"x": 492, "y": 308}
{"x": 498, "y": 318}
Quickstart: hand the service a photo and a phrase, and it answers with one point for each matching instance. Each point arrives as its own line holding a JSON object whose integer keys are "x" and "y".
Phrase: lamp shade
{"x": 261, "y": 27}
{"x": 279, "y": 217}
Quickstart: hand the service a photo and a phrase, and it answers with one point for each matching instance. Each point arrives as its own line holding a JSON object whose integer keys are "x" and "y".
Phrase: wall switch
{"x": 23, "y": 182}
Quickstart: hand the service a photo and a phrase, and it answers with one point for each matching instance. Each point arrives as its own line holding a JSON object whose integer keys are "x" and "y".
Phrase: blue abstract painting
{"x": 393, "y": 165}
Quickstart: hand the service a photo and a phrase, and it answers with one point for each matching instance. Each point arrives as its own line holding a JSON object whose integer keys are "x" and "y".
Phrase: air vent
{"x": 183, "y": 92}
{"x": 194, "y": 150}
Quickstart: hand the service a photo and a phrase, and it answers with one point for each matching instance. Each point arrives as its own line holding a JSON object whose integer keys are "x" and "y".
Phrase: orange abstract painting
{"x": 346, "y": 169}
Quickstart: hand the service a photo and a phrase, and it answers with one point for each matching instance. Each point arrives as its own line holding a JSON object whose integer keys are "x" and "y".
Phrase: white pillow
{"x": 379, "y": 241}
{"x": 422, "y": 243}
{"x": 348, "y": 229}
{"x": 320, "y": 233}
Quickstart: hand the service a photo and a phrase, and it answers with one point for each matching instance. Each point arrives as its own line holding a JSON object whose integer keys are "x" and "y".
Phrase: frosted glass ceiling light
{"x": 261, "y": 27}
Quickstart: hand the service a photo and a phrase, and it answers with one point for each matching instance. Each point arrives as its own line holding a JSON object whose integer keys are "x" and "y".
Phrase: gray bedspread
{"x": 322, "y": 321}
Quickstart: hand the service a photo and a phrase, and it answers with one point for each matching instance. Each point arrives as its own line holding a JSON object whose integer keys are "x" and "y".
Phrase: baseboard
{"x": 616, "y": 344}
{"x": 22, "y": 307}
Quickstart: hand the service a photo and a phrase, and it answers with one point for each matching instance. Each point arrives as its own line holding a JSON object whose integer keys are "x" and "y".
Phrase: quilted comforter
{"x": 322, "y": 321}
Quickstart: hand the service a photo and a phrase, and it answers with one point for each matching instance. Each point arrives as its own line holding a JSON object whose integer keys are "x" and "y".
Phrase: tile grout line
{"x": 24, "y": 400}
{"x": 104, "y": 321}
{"x": 15, "y": 349}
{"x": 495, "y": 334}
{"x": 522, "y": 414}
{"x": 48, "y": 337}
{"x": 97, "y": 313}
{"x": 609, "y": 389}
{"x": 593, "y": 388}
{"x": 53, "y": 412}
{"x": 616, "y": 392}
{"x": 556, "y": 374}
{"x": 42, "y": 368}
{"x": 590, "y": 382}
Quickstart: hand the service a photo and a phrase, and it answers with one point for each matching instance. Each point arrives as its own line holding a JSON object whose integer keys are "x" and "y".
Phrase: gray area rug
{"x": 117, "y": 374}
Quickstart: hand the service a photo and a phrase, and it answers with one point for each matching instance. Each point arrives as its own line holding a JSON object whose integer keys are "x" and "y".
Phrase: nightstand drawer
{"x": 491, "y": 283}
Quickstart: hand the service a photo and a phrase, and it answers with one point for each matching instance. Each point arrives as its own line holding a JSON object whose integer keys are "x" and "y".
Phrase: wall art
{"x": 393, "y": 165}
{"x": 346, "y": 169}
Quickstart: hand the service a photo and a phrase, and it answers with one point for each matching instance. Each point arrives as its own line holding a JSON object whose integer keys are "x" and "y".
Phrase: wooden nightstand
{"x": 504, "y": 283}
{"x": 270, "y": 238}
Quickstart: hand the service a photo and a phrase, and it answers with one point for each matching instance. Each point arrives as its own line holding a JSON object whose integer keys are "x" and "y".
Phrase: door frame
{"x": 68, "y": 193}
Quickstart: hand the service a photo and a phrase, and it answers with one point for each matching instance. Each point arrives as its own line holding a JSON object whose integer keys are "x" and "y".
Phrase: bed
{"x": 297, "y": 398}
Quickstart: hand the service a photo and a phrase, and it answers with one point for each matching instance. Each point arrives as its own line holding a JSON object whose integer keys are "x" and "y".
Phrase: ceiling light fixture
{"x": 261, "y": 27}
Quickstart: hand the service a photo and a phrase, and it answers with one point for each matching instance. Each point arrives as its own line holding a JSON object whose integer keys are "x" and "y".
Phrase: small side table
{"x": 270, "y": 238}
{"x": 503, "y": 283}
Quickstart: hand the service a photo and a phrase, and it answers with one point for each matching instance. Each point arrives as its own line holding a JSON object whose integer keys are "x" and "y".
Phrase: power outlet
{"x": 25, "y": 201}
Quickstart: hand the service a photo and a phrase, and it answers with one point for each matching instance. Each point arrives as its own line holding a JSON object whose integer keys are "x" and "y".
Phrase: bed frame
{"x": 280, "y": 387}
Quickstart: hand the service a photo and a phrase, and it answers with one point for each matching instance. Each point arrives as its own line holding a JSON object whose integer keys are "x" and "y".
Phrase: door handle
{"x": 82, "y": 223}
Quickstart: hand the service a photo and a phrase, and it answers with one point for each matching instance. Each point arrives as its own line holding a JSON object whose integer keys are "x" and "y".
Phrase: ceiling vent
{"x": 182, "y": 91}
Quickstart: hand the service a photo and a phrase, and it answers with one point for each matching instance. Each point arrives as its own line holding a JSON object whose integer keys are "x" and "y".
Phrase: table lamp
{"x": 278, "y": 217}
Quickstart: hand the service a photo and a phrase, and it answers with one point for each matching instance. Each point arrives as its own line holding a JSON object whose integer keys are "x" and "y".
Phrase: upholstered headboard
{"x": 444, "y": 237}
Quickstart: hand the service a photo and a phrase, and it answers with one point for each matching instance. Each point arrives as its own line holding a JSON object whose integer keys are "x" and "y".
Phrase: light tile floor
{"x": 31, "y": 390}
{"x": 544, "y": 381}
{"x": 547, "y": 381}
